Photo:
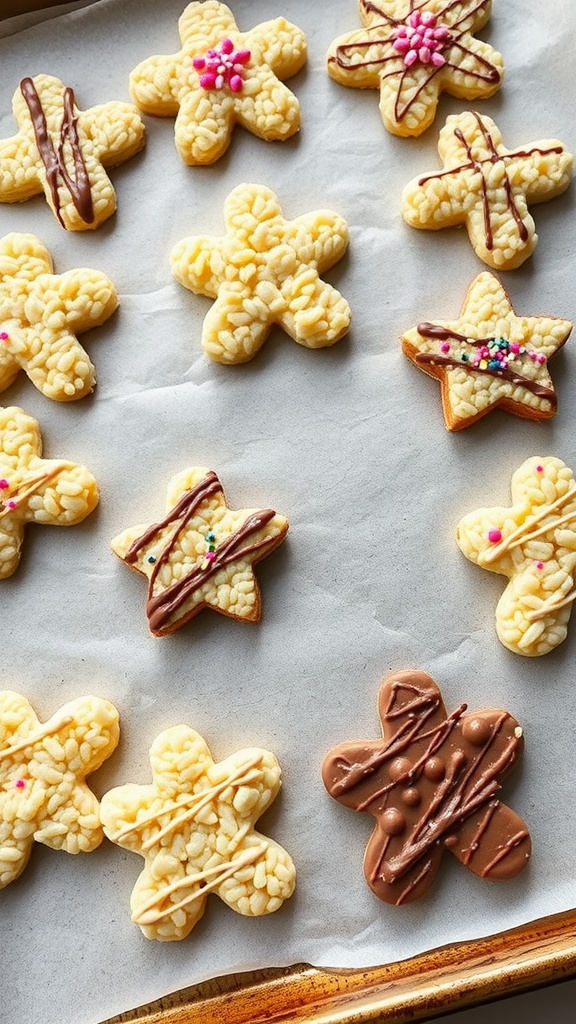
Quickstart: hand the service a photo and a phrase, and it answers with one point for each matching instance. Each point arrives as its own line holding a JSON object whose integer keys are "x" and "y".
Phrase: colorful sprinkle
{"x": 494, "y": 536}
{"x": 10, "y": 504}
{"x": 151, "y": 559}
{"x": 3, "y": 484}
{"x": 539, "y": 469}
{"x": 539, "y": 565}
{"x": 3, "y": 336}
{"x": 222, "y": 67}
{"x": 422, "y": 40}
{"x": 20, "y": 783}
{"x": 445, "y": 346}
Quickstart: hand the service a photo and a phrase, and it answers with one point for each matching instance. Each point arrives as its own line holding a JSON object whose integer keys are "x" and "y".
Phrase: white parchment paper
{"x": 349, "y": 443}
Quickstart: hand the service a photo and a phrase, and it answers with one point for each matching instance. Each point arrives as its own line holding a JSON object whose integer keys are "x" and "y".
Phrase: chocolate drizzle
{"x": 476, "y": 165}
{"x": 344, "y": 54}
{"x": 441, "y": 333}
{"x": 78, "y": 186}
{"x": 163, "y": 604}
{"x": 432, "y": 783}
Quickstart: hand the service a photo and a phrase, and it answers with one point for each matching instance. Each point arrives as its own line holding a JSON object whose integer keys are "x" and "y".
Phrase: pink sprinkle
{"x": 494, "y": 536}
{"x": 410, "y": 58}
{"x": 3, "y": 336}
{"x": 236, "y": 83}
{"x": 208, "y": 81}
{"x": 539, "y": 565}
{"x": 438, "y": 60}
{"x": 4, "y": 484}
{"x": 20, "y": 783}
{"x": 199, "y": 63}
{"x": 539, "y": 469}
{"x": 210, "y": 555}
{"x": 424, "y": 53}
{"x": 445, "y": 346}
{"x": 541, "y": 358}
{"x": 514, "y": 347}
{"x": 10, "y": 504}
{"x": 227, "y": 46}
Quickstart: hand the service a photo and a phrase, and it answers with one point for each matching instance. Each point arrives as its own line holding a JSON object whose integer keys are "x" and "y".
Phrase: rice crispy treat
{"x": 533, "y": 543}
{"x": 489, "y": 358}
{"x": 412, "y": 51}
{"x": 35, "y": 490}
{"x": 43, "y": 766}
{"x": 432, "y": 784}
{"x": 194, "y": 827}
{"x": 488, "y": 188}
{"x": 222, "y": 77}
{"x": 201, "y": 554}
{"x": 265, "y": 270}
{"x": 63, "y": 151}
{"x": 40, "y": 315}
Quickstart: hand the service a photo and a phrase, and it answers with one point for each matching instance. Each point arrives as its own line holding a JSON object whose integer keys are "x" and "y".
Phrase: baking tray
{"x": 446, "y": 979}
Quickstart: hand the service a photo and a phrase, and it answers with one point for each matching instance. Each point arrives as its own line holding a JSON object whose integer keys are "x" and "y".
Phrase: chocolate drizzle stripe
{"x": 184, "y": 510}
{"x": 510, "y": 845}
{"x": 54, "y": 162}
{"x": 539, "y": 390}
{"x": 161, "y": 606}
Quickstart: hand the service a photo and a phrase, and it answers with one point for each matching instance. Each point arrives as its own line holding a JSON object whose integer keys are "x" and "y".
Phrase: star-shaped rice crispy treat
{"x": 533, "y": 543}
{"x": 431, "y": 783}
{"x": 489, "y": 357}
{"x": 264, "y": 271}
{"x": 222, "y": 77}
{"x": 201, "y": 554}
{"x": 488, "y": 188}
{"x": 194, "y": 827}
{"x": 41, "y": 314}
{"x": 50, "y": 492}
{"x": 44, "y": 797}
{"x": 412, "y": 50}
{"x": 64, "y": 151}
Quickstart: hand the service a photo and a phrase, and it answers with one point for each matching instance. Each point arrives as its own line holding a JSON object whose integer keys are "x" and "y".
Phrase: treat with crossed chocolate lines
{"x": 51, "y": 492}
{"x": 432, "y": 783}
{"x": 222, "y": 77}
{"x": 63, "y": 151}
{"x": 41, "y": 314}
{"x": 488, "y": 188}
{"x": 201, "y": 554}
{"x": 412, "y": 51}
{"x": 194, "y": 827}
{"x": 44, "y": 797}
{"x": 533, "y": 543}
{"x": 265, "y": 270}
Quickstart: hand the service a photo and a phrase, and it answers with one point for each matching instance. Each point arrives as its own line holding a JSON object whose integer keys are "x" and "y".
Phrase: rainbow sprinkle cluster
{"x": 422, "y": 39}
{"x": 222, "y": 67}
{"x": 211, "y": 553}
{"x": 496, "y": 354}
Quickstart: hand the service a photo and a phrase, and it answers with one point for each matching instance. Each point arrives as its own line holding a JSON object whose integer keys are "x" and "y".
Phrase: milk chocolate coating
{"x": 431, "y": 783}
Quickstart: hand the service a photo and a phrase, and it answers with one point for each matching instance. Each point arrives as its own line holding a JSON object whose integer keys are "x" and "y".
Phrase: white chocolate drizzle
{"x": 28, "y": 486}
{"x": 524, "y": 533}
{"x": 49, "y": 728}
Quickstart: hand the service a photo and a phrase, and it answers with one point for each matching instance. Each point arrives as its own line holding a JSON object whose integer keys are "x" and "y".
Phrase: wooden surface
{"x": 450, "y": 978}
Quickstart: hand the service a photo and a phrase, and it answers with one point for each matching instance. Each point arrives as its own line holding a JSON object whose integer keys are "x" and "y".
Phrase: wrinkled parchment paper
{"x": 349, "y": 443}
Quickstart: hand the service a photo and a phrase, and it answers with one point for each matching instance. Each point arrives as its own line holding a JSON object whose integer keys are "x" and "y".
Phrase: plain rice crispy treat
{"x": 63, "y": 151}
{"x": 222, "y": 77}
{"x": 265, "y": 270}
{"x": 35, "y": 490}
{"x": 533, "y": 543}
{"x": 194, "y": 826}
{"x": 488, "y": 188}
{"x": 42, "y": 312}
{"x": 43, "y": 794}
{"x": 414, "y": 51}
{"x": 201, "y": 554}
{"x": 489, "y": 358}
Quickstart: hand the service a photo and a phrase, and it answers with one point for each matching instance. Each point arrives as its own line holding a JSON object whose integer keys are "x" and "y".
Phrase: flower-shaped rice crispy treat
{"x": 43, "y": 766}
{"x": 489, "y": 358}
{"x": 201, "y": 554}
{"x": 533, "y": 543}
{"x": 40, "y": 315}
{"x": 35, "y": 490}
{"x": 222, "y": 77}
{"x": 194, "y": 826}
{"x": 412, "y": 50}
{"x": 432, "y": 784}
{"x": 487, "y": 188}
{"x": 265, "y": 270}
{"x": 64, "y": 151}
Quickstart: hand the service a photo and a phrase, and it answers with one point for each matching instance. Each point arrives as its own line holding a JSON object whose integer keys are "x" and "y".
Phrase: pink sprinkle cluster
{"x": 222, "y": 67}
{"x": 422, "y": 40}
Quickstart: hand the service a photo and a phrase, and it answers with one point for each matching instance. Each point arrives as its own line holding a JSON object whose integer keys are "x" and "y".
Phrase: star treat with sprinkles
{"x": 489, "y": 357}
